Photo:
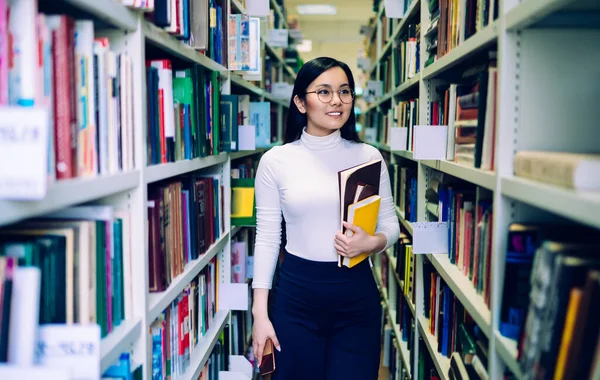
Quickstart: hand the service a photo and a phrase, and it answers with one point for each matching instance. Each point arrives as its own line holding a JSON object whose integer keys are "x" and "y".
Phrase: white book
{"x": 24, "y": 316}
{"x": 487, "y": 153}
{"x": 22, "y": 73}
{"x": 86, "y": 110}
{"x": 165, "y": 83}
{"x": 113, "y": 120}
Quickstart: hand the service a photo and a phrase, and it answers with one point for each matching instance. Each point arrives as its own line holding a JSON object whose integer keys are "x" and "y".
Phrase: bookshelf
{"x": 129, "y": 31}
{"x": 533, "y": 102}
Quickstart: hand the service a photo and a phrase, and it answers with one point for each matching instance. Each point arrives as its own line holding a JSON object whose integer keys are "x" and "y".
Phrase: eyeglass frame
{"x": 338, "y": 92}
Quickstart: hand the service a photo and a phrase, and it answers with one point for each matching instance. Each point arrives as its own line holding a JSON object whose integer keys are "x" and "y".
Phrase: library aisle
{"x": 130, "y": 137}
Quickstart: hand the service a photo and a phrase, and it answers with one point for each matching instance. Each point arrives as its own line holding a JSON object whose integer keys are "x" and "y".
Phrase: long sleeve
{"x": 387, "y": 222}
{"x": 268, "y": 221}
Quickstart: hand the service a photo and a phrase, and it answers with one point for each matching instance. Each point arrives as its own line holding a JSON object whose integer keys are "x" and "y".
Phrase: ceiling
{"x": 342, "y": 27}
{"x": 337, "y": 35}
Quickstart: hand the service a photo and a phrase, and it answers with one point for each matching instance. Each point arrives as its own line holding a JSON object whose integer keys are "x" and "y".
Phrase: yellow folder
{"x": 363, "y": 214}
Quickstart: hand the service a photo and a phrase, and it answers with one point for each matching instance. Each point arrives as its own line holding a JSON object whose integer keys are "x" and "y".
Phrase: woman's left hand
{"x": 351, "y": 246}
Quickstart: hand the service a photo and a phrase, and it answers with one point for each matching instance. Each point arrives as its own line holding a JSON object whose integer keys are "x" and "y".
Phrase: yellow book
{"x": 242, "y": 205}
{"x": 571, "y": 320}
{"x": 363, "y": 214}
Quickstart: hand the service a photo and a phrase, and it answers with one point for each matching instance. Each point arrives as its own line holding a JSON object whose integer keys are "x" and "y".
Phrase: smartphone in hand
{"x": 267, "y": 363}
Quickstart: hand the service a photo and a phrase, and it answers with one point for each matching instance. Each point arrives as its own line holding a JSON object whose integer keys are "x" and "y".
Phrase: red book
{"x": 64, "y": 107}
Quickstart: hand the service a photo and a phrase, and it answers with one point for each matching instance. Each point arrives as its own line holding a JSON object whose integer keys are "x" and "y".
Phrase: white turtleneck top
{"x": 299, "y": 179}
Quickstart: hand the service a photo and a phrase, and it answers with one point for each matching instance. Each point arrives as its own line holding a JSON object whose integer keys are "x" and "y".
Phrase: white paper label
{"x": 374, "y": 90}
{"x": 23, "y": 152}
{"x": 75, "y": 348}
{"x": 430, "y": 237}
{"x": 257, "y": 7}
{"x": 278, "y": 38}
{"x": 430, "y": 142}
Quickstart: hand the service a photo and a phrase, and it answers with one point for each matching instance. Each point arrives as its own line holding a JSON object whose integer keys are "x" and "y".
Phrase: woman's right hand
{"x": 261, "y": 331}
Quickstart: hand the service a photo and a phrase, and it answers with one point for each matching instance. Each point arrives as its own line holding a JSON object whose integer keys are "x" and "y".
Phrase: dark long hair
{"x": 296, "y": 120}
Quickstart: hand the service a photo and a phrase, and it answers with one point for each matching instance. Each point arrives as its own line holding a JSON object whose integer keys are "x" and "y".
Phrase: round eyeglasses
{"x": 325, "y": 95}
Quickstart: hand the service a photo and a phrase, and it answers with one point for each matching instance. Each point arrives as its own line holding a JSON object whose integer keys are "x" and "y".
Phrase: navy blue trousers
{"x": 327, "y": 320}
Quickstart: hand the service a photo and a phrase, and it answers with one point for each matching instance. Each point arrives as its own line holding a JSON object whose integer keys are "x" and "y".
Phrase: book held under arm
{"x": 359, "y": 201}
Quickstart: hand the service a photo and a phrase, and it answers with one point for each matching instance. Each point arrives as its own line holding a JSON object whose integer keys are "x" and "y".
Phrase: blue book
{"x": 187, "y": 132}
{"x": 260, "y": 117}
{"x": 120, "y": 370}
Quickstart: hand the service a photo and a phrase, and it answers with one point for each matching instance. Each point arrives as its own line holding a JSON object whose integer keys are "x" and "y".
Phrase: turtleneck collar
{"x": 321, "y": 142}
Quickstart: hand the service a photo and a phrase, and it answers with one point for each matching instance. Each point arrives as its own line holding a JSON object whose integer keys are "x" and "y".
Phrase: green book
{"x": 183, "y": 92}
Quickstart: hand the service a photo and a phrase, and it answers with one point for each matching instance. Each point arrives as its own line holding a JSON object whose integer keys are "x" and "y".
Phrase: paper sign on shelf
{"x": 282, "y": 90}
{"x": 247, "y": 137}
{"x": 374, "y": 90}
{"x": 430, "y": 237}
{"x": 394, "y": 8}
{"x": 239, "y": 363}
{"x": 278, "y": 38}
{"x": 257, "y": 7}
{"x": 430, "y": 142}
{"x": 23, "y": 143}
{"x": 231, "y": 375}
{"x": 296, "y": 34}
{"x": 398, "y": 138}
{"x": 363, "y": 63}
{"x": 233, "y": 296}
{"x": 75, "y": 348}
{"x": 8, "y": 371}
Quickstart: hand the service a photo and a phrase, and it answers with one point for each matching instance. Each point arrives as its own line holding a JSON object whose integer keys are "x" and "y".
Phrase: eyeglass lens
{"x": 325, "y": 95}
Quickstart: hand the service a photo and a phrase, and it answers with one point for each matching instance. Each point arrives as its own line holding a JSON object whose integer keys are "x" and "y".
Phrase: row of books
{"x": 457, "y": 335}
{"x": 189, "y": 118}
{"x": 552, "y": 281}
{"x": 247, "y": 124}
{"x": 178, "y": 331}
{"x": 85, "y": 250}
{"x": 183, "y": 112}
{"x": 185, "y": 217}
{"x": 400, "y": 317}
{"x": 535, "y": 254}
{"x": 449, "y": 25}
{"x": 404, "y": 190}
{"x": 201, "y": 24}
{"x": 232, "y": 40}
{"x": 244, "y": 168}
{"x": 406, "y": 55}
{"x": 391, "y": 354}
{"x": 470, "y": 229}
{"x": 242, "y": 259}
{"x": 405, "y": 114}
{"x": 64, "y": 66}
{"x": 469, "y": 110}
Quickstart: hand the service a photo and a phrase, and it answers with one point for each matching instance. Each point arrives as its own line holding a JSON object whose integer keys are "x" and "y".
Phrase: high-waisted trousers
{"x": 327, "y": 320}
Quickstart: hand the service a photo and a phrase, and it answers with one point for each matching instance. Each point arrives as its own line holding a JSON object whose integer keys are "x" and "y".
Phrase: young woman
{"x": 325, "y": 320}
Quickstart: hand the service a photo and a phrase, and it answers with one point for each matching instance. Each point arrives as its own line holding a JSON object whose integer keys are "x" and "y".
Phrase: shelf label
{"x": 430, "y": 237}
{"x": 394, "y": 8}
{"x": 23, "y": 153}
{"x": 278, "y": 38}
{"x": 75, "y": 348}
{"x": 430, "y": 142}
{"x": 257, "y": 7}
{"x": 374, "y": 91}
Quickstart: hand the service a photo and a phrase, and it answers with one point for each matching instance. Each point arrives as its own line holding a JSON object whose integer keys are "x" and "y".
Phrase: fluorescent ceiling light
{"x": 316, "y": 9}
